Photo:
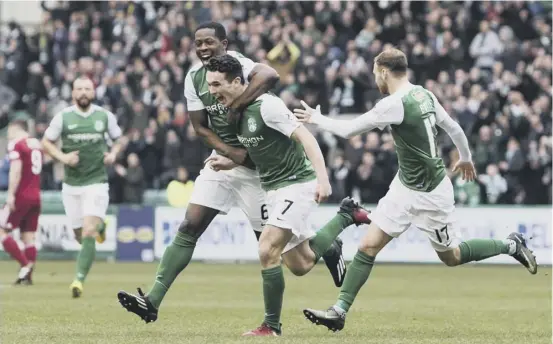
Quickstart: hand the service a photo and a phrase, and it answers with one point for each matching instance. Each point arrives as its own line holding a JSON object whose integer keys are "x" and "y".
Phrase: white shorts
{"x": 223, "y": 190}
{"x": 431, "y": 212}
{"x": 81, "y": 201}
{"x": 289, "y": 208}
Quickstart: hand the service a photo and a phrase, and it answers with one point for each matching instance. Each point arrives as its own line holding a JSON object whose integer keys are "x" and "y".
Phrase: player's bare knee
{"x": 299, "y": 260}
{"x": 451, "y": 257}
{"x": 296, "y": 264}
{"x": 28, "y": 238}
{"x": 374, "y": 241}
{"x": 370, "y": 246}
{"x": 192, "y": 228}
{"x": 3, "y": 233}
{"x": 369, "y": 250}
{"x": 89, "y": 231}
{"x": 268, "y": 254}
{"x": 299, "y": 268}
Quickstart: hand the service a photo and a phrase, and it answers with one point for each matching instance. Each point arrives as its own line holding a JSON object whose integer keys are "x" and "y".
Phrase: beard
{"x": 84, "y": 102}
{"x": 383, "y": 88}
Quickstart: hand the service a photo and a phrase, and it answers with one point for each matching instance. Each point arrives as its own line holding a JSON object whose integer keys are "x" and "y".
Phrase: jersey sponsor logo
{"x": 72, "y": 126}
{"x": 252, "y": 125}
{"x": 94, "y": 137}
{"x": 216, "y": 109}
{"x": 250, "y": 141}
{"x": 99, "y": 126}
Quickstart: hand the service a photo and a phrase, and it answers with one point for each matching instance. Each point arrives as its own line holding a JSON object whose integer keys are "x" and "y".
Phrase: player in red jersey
{"x": 22, "y": 207}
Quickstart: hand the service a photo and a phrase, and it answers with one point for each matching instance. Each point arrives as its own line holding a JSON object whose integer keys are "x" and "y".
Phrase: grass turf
{"x": 401, "y": 304}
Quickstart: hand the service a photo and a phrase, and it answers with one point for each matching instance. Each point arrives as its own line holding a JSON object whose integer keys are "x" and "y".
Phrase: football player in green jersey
{"x": 292, "y": 171}
{"x": 421, "y": 195}
{"x": 84, "y": 152}
{"x": 216, "y": 192}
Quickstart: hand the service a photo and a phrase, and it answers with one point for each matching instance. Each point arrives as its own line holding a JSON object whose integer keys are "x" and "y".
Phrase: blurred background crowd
{"x": 489, "y": 63}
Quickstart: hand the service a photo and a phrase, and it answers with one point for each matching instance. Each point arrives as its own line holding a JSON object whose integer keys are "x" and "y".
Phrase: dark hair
{"x": 20, "y": 123}
{"x": 227, "y": 65}
{"x": 219, "y": 29}
{"x": 393, "y": 59}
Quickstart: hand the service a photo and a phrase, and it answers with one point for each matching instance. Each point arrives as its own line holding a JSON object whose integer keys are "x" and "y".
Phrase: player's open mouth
{"x": 220, "y": 99}
{"x": 206, "y": 56}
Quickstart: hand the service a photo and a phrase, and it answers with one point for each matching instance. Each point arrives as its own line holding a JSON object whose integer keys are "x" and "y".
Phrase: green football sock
{"x": 321, "y": 242}
{"x": 273, "y": 292}
{"x": 358, "y": 273}
{"x": 478, "y": 249}
{"x": 85, "y": 258}
{"x": 175, "y": 258}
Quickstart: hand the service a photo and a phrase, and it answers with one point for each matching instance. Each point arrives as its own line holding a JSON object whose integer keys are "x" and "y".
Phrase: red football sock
{"x": 12, "y": 248}
{"x": 30, "y": 253}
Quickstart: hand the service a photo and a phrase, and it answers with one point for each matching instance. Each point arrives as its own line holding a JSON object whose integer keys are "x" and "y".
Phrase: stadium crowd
{"x": 489, "y": 63}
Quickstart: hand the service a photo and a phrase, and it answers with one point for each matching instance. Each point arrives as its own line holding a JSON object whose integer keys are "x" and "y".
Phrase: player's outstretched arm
{"x": 384, "y": 113}
{"x": 200, "y": 124}
{"x": 261, "y": 79}
{"x": 314, "y": 154}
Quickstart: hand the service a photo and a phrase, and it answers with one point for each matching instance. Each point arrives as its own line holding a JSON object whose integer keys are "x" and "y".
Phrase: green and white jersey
{"x": 84, "y": 132}
{"x": 420, "y": 166}
{"x": 198, "y": 98}
{"x": 412, "y": 112}
{"x": 265, "y": 129}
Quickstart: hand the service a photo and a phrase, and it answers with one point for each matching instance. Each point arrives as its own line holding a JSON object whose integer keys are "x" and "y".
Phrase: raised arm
{"x": 385, "y": 112}
{"x": 261, "y": 77}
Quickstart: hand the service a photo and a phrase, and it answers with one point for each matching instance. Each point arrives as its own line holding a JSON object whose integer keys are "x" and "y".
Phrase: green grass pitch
{"x": 401, "y": 304}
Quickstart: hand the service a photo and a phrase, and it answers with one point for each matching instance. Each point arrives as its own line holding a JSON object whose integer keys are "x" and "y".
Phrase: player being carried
{"x": 292, "y": 171}
{"x": 22, "y": 207}
{"x": 216, "y": 192}
{"x": 84, "y": 152}
{"x": 421, "y": 194}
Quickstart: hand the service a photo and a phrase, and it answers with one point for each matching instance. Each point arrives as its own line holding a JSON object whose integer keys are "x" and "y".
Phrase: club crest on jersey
{"x": 99, "y": 126}
{"x": 252, "y": 125}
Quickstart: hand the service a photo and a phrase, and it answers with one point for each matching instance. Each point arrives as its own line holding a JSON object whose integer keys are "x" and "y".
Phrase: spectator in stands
{"x": 489, "y": 63}
{"x": 494, "y": 183}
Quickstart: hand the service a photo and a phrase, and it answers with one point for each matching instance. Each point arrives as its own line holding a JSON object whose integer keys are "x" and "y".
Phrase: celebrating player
{"x": 216, "y": 192}
{"x": 85, "y": 194}
{"x": 292, "y": 171}
{"x": 22, "y": 207}
{"x": 421, "y": 193}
